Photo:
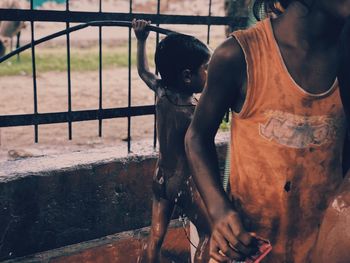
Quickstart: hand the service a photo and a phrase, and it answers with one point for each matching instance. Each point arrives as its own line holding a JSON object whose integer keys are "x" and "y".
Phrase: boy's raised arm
{"x": 225, "y": 77}
{"x": 146, "y": 75}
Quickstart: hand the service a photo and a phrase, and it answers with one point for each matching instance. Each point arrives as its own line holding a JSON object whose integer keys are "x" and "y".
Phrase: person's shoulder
{"x": 228, "y": 61}
{"x": 159, "y": 89}
{"x": 229, "y": 54}
{"x": 163, "y": 105}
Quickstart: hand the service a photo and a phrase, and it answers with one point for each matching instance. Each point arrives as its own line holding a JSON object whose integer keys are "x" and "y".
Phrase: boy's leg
{"x": 162, "y": 210}
{"x": 202, "y": 251}
{"x": 193, "y": 206}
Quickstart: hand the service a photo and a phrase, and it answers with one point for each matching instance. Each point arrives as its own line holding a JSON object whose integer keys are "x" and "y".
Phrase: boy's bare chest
{"x": 315, "y": 73}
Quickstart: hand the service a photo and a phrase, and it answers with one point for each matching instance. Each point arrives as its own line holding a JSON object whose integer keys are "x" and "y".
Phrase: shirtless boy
{"x": 182, "y": 63}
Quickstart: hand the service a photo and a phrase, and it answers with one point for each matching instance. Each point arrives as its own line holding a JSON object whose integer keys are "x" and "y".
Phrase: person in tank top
{"x": 279, "y": 78}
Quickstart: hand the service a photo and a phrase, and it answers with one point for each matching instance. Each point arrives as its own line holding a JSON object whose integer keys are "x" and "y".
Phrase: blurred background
{"x": 16, "y": 79}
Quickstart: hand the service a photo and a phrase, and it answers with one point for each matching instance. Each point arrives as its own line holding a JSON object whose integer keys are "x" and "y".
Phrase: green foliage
{"x": 225, "y": 125}
{"x": 56, "y": 60}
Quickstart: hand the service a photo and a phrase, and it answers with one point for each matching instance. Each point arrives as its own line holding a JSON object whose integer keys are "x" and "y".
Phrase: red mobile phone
{"x": 264, "y": 247}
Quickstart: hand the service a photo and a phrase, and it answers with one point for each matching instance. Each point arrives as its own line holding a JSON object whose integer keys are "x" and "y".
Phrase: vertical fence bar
{"x": 209, "y": 15}
{"x": 129, "y": 82}
{"x": 69, "y": 78}
{"x": 227, "y": 116}
{"x": 36, "y": 134}
{"x": 100, "y": 74}
{"x": 155, "y": 96}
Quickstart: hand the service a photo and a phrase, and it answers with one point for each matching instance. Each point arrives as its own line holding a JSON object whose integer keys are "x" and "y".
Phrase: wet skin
{"x": 172, "y": 183}
{"x": 334, "y": 237}
{"x": 306, "y": 37}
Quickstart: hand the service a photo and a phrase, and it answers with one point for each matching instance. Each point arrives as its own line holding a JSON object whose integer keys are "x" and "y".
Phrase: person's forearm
{"x": 142, "y": 61}
{"x": 202, "y": 157}
{"x": 148, "y": 77}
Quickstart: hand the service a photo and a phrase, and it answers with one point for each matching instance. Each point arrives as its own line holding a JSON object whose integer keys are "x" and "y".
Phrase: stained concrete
{"x": 54, "y": 201}
{"x": 118, "y": 248}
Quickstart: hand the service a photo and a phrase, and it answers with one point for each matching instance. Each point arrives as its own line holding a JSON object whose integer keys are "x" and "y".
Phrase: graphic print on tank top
{"x": 296, "y": 131}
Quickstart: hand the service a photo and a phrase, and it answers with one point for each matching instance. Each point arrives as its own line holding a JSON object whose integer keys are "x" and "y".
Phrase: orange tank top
{"x": 287, "y": 149}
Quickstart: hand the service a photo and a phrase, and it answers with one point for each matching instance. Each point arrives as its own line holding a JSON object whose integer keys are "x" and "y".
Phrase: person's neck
{"x": 309, "y": 29}
{"x": 180, "y": 97}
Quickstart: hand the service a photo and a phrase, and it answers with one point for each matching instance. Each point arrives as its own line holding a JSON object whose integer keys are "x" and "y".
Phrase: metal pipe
{"x": 100, "y": 72}
{"x": 32, "y": 45}
{"x": 69, "y": 79}
{"x": 129, "y": 82}
{"x": 76, "y": 28}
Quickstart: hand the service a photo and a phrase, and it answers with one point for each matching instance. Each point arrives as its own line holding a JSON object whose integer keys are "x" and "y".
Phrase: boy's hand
{"x": 229, "y": 241}
{"x": 139, "y": 27}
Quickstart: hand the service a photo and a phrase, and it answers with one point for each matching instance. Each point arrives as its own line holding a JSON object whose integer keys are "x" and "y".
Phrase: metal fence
{"x": 96, "y": 19}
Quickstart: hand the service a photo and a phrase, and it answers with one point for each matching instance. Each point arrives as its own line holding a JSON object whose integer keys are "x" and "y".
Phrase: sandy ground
{"x": 52, "y": 97}
{"x": 17, "y": 91}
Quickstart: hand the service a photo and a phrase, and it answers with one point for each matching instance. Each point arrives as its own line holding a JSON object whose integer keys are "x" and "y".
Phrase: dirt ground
{"x": 17, "y": 91}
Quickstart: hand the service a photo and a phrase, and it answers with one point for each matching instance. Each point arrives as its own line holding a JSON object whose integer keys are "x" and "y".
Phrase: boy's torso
{"x": 286, "y": 152}
{"x": 173, "y": 119}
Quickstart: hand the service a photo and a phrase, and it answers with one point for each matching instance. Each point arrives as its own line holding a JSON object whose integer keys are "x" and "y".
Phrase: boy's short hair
{"x": 177, "y": 52}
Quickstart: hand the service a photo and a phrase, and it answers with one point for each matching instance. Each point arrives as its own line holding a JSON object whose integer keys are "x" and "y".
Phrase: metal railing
{"x": 94, "y": 19}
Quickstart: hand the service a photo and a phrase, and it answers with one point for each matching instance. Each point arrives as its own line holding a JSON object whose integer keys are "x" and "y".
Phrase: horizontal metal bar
{"x": 74, "y": 116}
{"x": 76, "y": 28}
{"x": 79, "y": 17}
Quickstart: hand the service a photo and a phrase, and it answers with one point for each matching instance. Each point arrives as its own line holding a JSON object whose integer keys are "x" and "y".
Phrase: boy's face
{"x": 199, "y": 78}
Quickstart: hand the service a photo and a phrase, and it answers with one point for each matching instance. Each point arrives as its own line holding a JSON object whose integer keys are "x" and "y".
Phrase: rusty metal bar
{"x": 76, "y": 28}
{"x": 209, "y": 15}
{"x": 81, "y": 17}
{"x": 69, "y": 78}
{"x": 100, "y": 71}
{"x": 36, "y": 130}
{"x": 74, "y": 116}
{"x": 129, "y": 82}
{"x": 155, "y": 96}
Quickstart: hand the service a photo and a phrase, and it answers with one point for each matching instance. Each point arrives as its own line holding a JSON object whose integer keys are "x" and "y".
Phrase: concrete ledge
{"x": 55, "y": 201}
{"x": 119, "y": 248}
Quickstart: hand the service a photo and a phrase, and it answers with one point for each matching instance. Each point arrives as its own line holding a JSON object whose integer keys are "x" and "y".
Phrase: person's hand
{"x": 139, "y": 27}
{"x": 229, "y": 241}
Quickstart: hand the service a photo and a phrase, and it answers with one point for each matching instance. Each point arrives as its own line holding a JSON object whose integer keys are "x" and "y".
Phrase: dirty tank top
{"x": 286, "y": 151}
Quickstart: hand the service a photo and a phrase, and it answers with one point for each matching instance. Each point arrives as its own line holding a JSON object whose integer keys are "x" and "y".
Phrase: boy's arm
{"x": 346, "y": 153}
{"x": 146, "y": 75}
{"x": 226, "y": 74}
{"x": 344, "y": 84}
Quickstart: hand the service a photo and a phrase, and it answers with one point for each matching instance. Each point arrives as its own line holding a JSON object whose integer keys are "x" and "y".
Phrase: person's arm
{"x": 344, "y": 84}
{"x": 146, "y": 75}
{"x": 226, "y": 73}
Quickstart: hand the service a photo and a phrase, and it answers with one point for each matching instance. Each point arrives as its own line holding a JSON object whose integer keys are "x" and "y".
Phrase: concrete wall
{"x": 54, "y": 201}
